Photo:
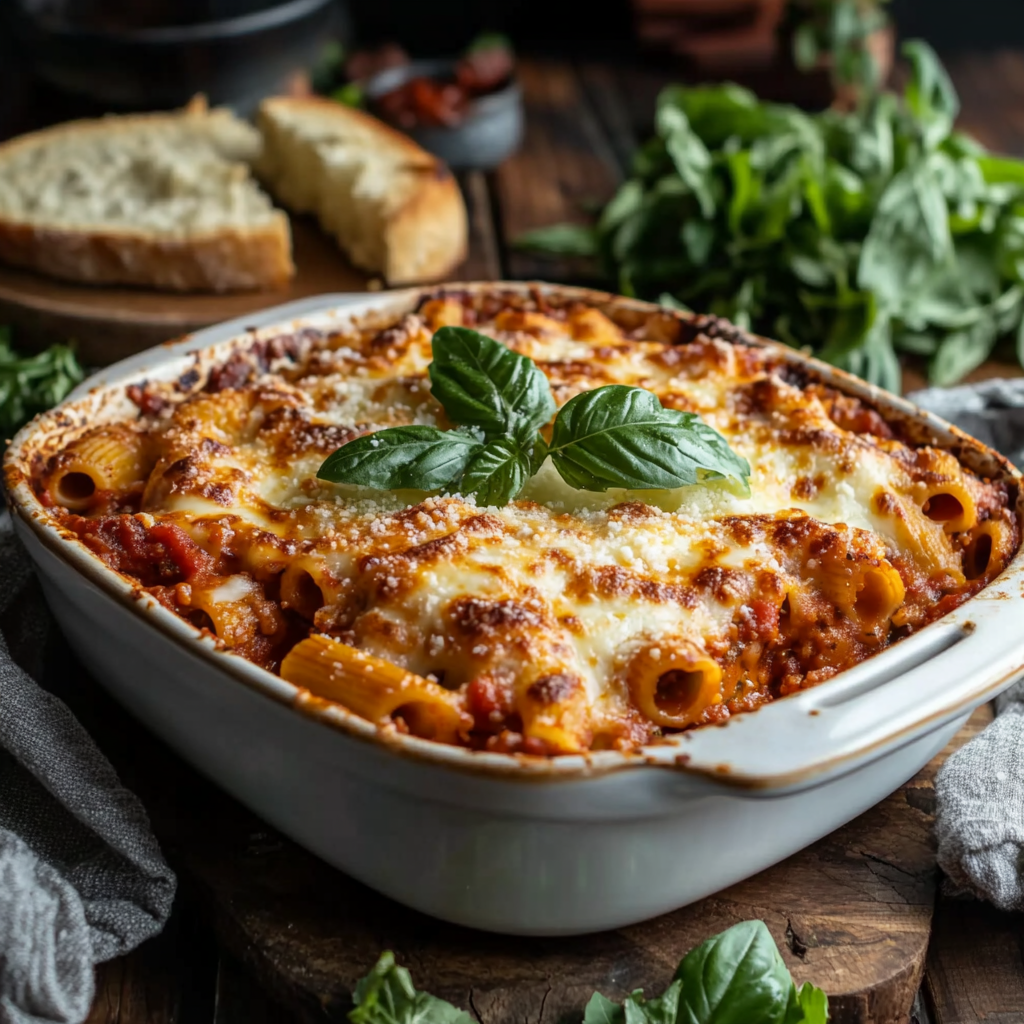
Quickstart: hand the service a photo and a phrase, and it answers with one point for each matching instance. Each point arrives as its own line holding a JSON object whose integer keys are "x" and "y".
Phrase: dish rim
{"x": 679, "y": 753}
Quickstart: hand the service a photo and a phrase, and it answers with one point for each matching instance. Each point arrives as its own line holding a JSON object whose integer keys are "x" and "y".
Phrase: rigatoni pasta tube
{"x": 237, "y": 609}
{"x": 942, "y": 492}
{"x": 991, "y": 540}
{"x": 107, "y": 459}
{"x": 865, "y": 592}
{"x": 307, "y": 584}
{"x": 554, "y": 710}
{"x": 375, "y": 689}
{"x": 673, "y": 682}
{"x": 949, "y": 503}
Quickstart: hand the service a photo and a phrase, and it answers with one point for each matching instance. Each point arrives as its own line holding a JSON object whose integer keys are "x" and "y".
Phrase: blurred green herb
{"x": 862, "y": 234}
{"x": 837, "y": 33}
{"x": 32, "y": 384}
{"x": 489, "y": 41}
{"x": 737, "y": 977}
{"x": 351, "y": 94}
{"x": 328, "y": 68}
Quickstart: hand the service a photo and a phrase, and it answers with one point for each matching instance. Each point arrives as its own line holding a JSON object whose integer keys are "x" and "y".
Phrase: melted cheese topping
{"x": 565, "y": 620}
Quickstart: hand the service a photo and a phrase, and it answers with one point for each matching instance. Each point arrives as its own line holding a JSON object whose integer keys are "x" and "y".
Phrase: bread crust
{"x": 228, "y": 259}
{"x": 426, "y": 238}
{"x": 219, "y": 261}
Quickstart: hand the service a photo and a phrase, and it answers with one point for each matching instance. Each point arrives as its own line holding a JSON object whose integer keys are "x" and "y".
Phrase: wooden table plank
{"x": 565, "y": 166}
{"x": 484, "y": 260}
{"x": 604, "y": 92}
{"x": 975, "y": 964}
{"x": 167, "y": 980}
{"x": 240, "y": 1000}
{"x": 991, "y": 88}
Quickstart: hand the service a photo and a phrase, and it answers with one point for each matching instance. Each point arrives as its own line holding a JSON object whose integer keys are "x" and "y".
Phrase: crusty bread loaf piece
{"x": 160, "y": 200}
{"x": 394, "y": 209}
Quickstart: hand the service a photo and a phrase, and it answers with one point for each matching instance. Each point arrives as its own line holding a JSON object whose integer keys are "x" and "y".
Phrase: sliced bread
{"x": 159, "y": 200}
{"x": 394, "y": 209}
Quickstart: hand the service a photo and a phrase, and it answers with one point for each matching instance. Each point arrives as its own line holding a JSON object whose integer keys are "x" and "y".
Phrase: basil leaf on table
{"x": 402, "y": 458}
{"x": 482, "y": 383}
{"x": 387, "y": 996}
{"x": 563, "y": 239}
{"x": 497, "y": 472}
{"x": 619, "y": 436}
{"x": 735, "y": 978}
{"x": 601, "y": 1010}
{"x": 807, "y": 1005}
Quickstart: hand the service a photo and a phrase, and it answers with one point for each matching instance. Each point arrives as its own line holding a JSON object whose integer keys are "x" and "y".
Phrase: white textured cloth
{"x": 979, "y": 792}
{"x": 82, "y": 878}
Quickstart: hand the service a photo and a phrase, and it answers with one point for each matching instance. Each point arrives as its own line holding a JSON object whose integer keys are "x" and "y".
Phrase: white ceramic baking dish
{"x": 530, "y": 846}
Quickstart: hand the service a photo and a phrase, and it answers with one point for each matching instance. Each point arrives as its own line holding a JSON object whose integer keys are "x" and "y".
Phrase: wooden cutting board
{"x": 109, "y": 323}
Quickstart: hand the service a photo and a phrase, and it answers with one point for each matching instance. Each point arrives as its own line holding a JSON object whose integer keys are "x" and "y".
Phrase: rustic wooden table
{"x": 584, "y": 120}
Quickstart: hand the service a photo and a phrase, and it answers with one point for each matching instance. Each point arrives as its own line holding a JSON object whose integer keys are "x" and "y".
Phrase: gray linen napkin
{"x": 82, "y": 878}
{"x": 980, "y": 790}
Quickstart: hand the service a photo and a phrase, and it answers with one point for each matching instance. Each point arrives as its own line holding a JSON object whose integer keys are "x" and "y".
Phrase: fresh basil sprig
{"x": 387, "y": 996}
{"x": 737, "y": 977}
{"x": 864, "y": 234}
{"x": 31, "y": 384}
{"x": 615, "y": 436}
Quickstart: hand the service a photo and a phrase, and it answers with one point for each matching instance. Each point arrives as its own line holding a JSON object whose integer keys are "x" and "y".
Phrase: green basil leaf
{"x": 962, "y": 351}
{"x": 668, "y": 300}
{"x": 482, "y": 383}
{"x": 746, "y": 189}
{"x": 387, "y": 996}
{"x": 807, "y": 1005}
{"x": 624, "y": 203}
{"x": 1001, "y": 170}
{"x": 805, "y": 46}
{"x": 698, "y": 237}
{"x": 603, "y": 1011}
{"x": 33, "y": 384}
{"x": 930, "y": 92}
{"x": 737, "y": 977}
{"x": 497, "y": 472}
{"x": 560, "y": 240}
{"x": 909, "y": 236}
{"x": 689, "y": 155}
{"x": 619, "y": 436}
{"x": 400, "y": 458}
{"x": 663, "y": 1010}
{"x": 917, "y": 344}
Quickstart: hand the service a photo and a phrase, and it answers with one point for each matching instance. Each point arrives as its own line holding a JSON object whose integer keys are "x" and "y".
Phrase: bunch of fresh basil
{"x": 32, "y": 384}
{"x": 737, "y": 977}
{"x": 614, "y": 436}
{"x": 861, "y": 234}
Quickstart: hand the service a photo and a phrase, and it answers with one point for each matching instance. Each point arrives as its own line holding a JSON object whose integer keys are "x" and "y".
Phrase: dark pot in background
{"x": 237, "y": 59}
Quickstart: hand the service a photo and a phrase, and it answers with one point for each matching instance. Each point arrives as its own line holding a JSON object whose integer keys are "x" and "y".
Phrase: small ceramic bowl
{"x": 491, "y": 131}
